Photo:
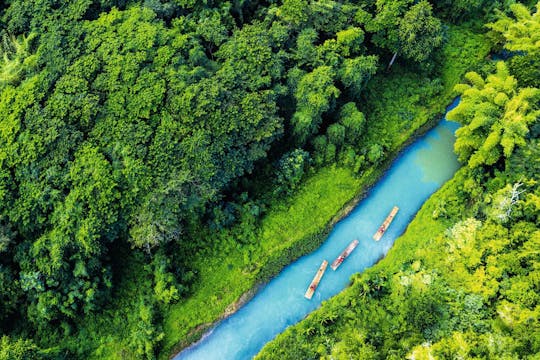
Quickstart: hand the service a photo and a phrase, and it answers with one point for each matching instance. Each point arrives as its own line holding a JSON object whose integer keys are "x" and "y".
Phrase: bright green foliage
{"x": 139, "y": 142}
{"x": 294, "y": 11}
{"x": 350, "y": 40}
{"x": 15, "y": 58}
{"x": 522, "y": 34}
{"x": 20, "y": 350}
{"x": 315, "y": 95}
{"x": 145, "y": 335}
{"x": 420, "y": 33}
{"x": 496, "y": 116}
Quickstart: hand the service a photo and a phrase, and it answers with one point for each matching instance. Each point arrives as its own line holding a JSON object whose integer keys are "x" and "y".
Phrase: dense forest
{"x": 139, "y": 137}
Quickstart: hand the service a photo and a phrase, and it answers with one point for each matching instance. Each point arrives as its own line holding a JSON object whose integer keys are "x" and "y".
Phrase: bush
{"x": 336, "y": 134}
{"x": 353, "y": 120}
{"x": 291, "y": 169}
{"x": 375, "y": 153}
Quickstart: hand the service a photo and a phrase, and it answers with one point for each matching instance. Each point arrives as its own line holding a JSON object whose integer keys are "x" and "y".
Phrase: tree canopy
{"x": 132, "y": 131}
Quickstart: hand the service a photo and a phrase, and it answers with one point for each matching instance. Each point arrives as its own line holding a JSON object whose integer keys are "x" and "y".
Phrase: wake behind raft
{"x": 378, "y": 235}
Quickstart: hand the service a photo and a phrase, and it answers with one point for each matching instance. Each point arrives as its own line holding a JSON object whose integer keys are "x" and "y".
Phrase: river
{"x": 415, "y": 174}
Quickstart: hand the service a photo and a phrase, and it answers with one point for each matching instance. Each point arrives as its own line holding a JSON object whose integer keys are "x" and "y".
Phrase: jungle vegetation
{"x": 144, "y": 141}
{"x": 463, "y": 282}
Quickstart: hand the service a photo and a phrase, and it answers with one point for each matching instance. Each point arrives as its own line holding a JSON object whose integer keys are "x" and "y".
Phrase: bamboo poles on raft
{"x": 315, "y": 282}
{"x": 382, "y": 229}
{"x": 348, "y": 250}
{"x": 344, "y": 255}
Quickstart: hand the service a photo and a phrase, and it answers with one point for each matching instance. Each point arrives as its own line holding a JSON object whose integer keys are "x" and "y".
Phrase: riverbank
{"x": 455, "y": 284}
{"x": 326, "y": 196}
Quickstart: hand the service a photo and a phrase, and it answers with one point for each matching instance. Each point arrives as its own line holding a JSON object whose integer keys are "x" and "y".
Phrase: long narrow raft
{"x": 344, "y": 255}
{"x": 316, "y": 280}
{"x": 382, "y": 229}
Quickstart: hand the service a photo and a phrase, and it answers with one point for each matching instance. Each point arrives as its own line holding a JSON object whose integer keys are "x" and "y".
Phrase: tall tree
{"x": 420, "y": 33}
{"x": 315, "y": 95}
{"x": 521, "y": 35}
{"x": 495, "y": 115}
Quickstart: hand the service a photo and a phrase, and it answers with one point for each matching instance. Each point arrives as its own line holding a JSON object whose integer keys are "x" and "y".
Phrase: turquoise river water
{"x": 416, "y": 174}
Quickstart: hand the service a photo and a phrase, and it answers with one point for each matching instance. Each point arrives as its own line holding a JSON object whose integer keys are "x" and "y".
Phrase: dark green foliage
{"x": 127, "y": 126}
{"x": 354, "y": 122}
{"x": 526, "y": 69}
{"x": 461, "y": 10}
{"x": 290, "y": 170}
{"x": 10, "y": 293}
{"x": 463, "y": 280}
{"x": 355, "y": 73}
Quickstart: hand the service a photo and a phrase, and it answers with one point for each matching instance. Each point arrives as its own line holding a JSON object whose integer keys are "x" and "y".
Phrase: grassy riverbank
{"x": 401, "y": 102}
{"x": 457, "y": 284}
{"x": 397, "y": 104}
{"x": 463, "y": 280}
{"x": 223, "y": 278}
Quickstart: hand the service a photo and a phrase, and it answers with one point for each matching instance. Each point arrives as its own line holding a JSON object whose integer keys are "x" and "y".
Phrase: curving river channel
{"x": 416, "y": 174}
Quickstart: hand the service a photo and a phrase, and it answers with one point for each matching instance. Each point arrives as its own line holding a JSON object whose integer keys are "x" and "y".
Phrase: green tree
{"x": 521, "y": 35}
{"x": 354, "y": 122}
{"x": 336, "y": 134}
{"x": 294, "y": 12}
{"x": 291, "y": 168}
{"x": 15, "y": 57}
{"x": 420, "y": 33}
{"x": 315, "y": 95}
{"x": 496, "y": 116}
{"x": 375, "y": 153}
{"x": 355, "y": 73}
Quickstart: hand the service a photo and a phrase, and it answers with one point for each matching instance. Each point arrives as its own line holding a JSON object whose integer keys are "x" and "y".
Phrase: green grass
{"x": 296, "y": 225}
{"x": 464, "y": 51}
{"x": 291, "y": 227}
{"x": 400, "y": 102}
{"x": 224, "y": 278}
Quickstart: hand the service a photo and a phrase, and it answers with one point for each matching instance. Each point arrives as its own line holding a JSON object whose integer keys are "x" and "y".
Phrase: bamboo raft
{"x": 316, "y": 280}
{"x": 382, "y": 229}
{"x": 344, "y": 255}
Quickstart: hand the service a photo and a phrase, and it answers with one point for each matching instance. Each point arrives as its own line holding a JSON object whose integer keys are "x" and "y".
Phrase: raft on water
{"x": 344, "y": 255}
{"x": 316, "y": 280}
{"x": 378, "y": 235}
